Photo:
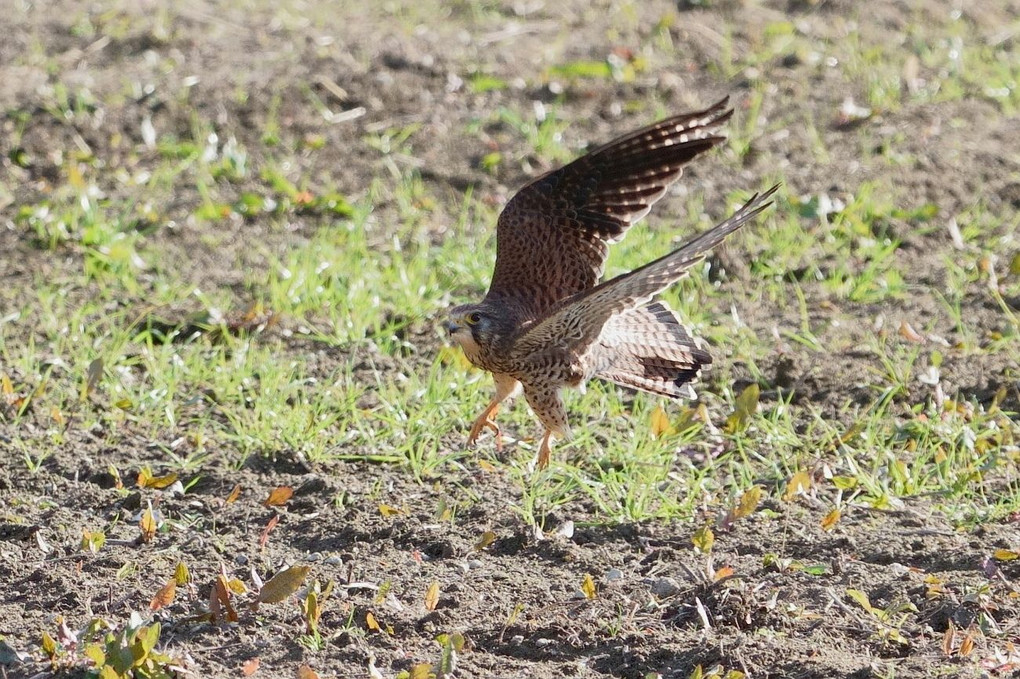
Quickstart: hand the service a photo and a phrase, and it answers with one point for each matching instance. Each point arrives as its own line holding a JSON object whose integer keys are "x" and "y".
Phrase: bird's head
{"x": 474, "y": 327}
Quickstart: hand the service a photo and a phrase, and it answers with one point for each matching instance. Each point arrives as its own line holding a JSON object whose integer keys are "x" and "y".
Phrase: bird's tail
{"x": 647, "y": 348}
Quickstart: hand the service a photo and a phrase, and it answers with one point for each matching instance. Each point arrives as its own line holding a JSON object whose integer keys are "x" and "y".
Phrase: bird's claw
{"x": 481, "y": 424}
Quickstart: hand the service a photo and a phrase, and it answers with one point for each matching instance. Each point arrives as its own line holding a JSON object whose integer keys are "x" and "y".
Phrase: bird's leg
{"x": 486, "y": 420}
{"x": 545, "y": 450}
{"x": 506, "y": 387}
{"x": 546, "y": 404}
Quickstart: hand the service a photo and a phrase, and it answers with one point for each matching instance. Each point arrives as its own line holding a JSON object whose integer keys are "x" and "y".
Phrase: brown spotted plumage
{"x": 547, "y": 323}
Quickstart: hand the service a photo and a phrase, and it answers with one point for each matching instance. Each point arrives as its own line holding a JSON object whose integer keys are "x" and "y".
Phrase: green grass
{"x": 235, "y": 395}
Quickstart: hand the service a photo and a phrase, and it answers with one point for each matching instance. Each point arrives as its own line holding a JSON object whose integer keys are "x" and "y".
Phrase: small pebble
{"x": 664, "y": 587}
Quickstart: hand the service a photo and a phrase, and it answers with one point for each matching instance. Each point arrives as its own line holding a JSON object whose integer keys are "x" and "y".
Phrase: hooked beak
{"x": 450, "y": 327}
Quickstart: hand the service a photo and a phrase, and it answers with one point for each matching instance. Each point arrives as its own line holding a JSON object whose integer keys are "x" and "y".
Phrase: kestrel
{"x": 547, "y": 323}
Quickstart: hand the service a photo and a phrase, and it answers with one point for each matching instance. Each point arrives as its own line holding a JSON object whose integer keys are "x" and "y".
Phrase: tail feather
{"x": 647, "y": 348}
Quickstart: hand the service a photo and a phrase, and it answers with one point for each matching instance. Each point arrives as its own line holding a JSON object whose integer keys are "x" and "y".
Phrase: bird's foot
{"x": 485, "y": 422}
{"x": 544, "y": 452}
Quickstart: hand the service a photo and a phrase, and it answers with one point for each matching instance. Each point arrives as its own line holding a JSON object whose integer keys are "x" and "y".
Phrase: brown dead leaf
{"x": 660, "y": 423}
{"x": 148, "y": 525}
{"x": 487, "y": 538}
{"x": 279, "y": 496}
{"x": 388, "y": 511}
{"x": 234, "y": 494}
{"x": 219, "y": 601}
{"x": 432, "y": 596}
{"x": 283, "y": 584}
{"x": 164, "y": 596}
{"x": 798, "y": 483}
{"x": 748, "y": 502}
{"x": 306, "y": 672}
{"x": 967, "y": 645}
{"x": 161, "y": 482}
{"x": 949, "y": 639}
{"x": 831, "y": 519}
{"x": 723, "y": 573}
{"x": 264, "y": 538}
{"x": 250, "y": 667}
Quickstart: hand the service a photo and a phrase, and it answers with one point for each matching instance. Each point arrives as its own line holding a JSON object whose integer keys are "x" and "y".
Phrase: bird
{"x": 548, "y": 323}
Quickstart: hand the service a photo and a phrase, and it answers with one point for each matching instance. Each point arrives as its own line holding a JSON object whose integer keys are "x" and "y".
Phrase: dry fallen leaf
{"x": 798, "y": 483}
{"x": 306, "y": 672}
{"x": 588, "y": 586}
{"x": 148, "y": 525}
{"x": 250, "y": 667}
{"x": 234, "y": 494}
{"x": 831, "y": 519}
{"x": 388, "y": 511}
{"x": 722, "y": 573}
{"x": 371, "y": 622}
{"x": 164, "y": 596}
{"x": 283, "y": 584}
{"x": 949, "y": 639}
{"x": 279, "y": 496}
{"x": 748, "y": 503}
{"x": 967, "y": 645}
{"x": 487, "y": 538}
{"x": 432, "y": 596}
{"x": 219, "y": 600}
{"x": 660, "y": 423}
{"x": 264, "y": 538}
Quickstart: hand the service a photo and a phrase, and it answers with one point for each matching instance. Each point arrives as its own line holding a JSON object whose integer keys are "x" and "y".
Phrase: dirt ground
{"x": 517, "y": 601}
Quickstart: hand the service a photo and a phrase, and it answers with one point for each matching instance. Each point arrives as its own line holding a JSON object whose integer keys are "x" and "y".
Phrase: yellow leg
{"x": 486, "y": 420}
{"x": 506, "y": 387}
{"x": 545, "y": 450}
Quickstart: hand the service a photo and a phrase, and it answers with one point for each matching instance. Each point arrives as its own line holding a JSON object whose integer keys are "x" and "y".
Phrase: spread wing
{"x": 552, "y": 238}
{"x": 576, "y": 323}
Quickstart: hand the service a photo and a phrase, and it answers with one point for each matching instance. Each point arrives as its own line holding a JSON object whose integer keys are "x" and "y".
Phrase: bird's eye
{"x": 473, "y": 318}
